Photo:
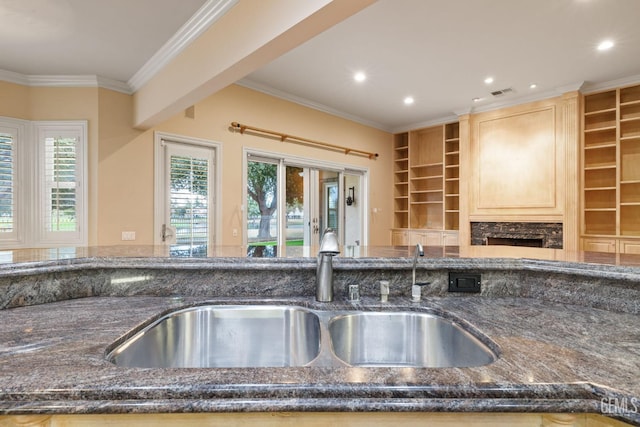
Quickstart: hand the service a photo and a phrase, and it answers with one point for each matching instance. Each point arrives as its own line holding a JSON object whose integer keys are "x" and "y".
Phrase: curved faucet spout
{"x": 419, "y": 251}
{"x": 329, "y": 243}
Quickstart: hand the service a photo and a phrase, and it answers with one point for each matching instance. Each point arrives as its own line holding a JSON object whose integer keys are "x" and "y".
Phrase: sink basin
{"x": 405, "y": 339}
{"x": 224, "y": 336}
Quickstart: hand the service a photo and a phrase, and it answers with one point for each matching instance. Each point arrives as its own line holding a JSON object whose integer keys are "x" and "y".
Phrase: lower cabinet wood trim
{"x": 314, "y": 419}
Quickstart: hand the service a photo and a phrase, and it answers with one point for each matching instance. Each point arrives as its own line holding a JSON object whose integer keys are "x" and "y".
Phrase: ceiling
{"x": 440, "y": 51}
{"x": 437, "y": 51}
{"x": 108, "y": 38}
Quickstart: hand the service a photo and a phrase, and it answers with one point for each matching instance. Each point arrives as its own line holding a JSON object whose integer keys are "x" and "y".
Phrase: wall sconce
{"x": 351, "y": 198}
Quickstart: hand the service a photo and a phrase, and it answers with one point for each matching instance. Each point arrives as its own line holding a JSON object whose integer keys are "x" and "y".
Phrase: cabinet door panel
{"x": 599, "y": 245}
{"x": 630, "y": 247}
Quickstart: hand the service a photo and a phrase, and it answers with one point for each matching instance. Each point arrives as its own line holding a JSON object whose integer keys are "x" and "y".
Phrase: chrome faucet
{"x": 415, "y": 287}
{"x": 324, "y": 276}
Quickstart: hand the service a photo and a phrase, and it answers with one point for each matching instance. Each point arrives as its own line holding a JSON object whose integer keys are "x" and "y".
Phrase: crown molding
{"x": 250, "y": 84}
{"x": 209, "y": 13}
{"x": 612, "y": 84}
{"x": 11, "y": 77}
{"x": 571, "y": 87}
{"x": 206, "y": 16}
{"x": 428, "y": 123}
{"x": 65, "y": 81}
{"x": 115, "y": 85}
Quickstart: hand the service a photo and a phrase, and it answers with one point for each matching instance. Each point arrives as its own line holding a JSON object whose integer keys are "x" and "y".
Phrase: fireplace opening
{"x": 507, "y": 241}
{"x": 528, "y": 234}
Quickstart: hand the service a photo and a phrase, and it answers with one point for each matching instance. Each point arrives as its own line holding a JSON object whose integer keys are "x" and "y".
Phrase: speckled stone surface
{"x": 548, "y": 233}
{"x": 568, "y": 334}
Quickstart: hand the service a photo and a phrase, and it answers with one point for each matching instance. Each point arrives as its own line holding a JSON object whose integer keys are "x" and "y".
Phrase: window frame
{"x": 30, "y": 197}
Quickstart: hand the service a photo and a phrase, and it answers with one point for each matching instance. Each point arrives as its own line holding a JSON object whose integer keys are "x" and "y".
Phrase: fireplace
{"x": 530, "y": 234}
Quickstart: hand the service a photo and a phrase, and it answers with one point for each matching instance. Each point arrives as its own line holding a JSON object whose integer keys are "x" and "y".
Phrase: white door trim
{"x": 159, "y": 187}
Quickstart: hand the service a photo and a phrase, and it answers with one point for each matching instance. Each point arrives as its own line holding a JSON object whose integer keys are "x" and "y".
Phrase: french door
{"x": 185, "y": 202}
{"x": 290, "y": 202}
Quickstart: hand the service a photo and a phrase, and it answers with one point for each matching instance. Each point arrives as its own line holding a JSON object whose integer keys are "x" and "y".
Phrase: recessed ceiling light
{"x": 605, "y": 45}
{"x": 533, "y": 86}
{"x": 488, "y": 80}
{"x": 409, "y": 100}
{"x": 477, "y": 99}
{"x": 359, "y": 76}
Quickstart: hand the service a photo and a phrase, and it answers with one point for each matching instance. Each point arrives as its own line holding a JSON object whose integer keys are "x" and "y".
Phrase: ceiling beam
{"x": 248, "y": 36}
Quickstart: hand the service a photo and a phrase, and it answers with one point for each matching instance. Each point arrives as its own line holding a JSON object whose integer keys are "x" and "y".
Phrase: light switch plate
{"x": 128, "y": 235}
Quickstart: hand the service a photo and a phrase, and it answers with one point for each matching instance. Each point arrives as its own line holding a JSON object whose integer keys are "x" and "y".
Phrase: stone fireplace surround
{"x": 540, "y": 234}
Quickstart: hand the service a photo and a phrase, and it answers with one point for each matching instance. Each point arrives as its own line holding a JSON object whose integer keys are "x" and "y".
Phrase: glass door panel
{"x": 294, "y": 222}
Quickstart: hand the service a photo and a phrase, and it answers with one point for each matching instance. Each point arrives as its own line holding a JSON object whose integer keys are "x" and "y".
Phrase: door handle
{"x": 167, "y": 232}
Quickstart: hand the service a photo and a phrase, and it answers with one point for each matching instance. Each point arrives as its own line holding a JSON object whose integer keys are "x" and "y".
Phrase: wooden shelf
{"x": 426, "y": 191}
{"x": 600, "y": 129}
{"x": 611, "y": 168}
{"x": 600, "y": 167}
{"x": 427, "y": 165}
{"x": 601, "y": 145}
{"x": 625, "y": 104}
{"x": 401, "y": 181}
{"x": 608, "y": 110}
{"x": 426, "y": 178}
{"x": 599, "y": 188}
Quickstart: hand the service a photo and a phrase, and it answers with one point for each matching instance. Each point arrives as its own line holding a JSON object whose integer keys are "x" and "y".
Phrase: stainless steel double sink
{"x": 236, "y": 336}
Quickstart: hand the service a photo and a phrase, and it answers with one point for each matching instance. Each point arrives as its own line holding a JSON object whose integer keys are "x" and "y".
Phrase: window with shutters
{"x": 8, "y": 136}
{"x": 189, "y": 201}
{"x": 42, "y": 191}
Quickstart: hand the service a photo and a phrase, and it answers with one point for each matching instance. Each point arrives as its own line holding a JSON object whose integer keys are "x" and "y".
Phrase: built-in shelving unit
{"x": 452, "y": 176}
{"x": 611, "y": 170}
{"x": 426, "y": 172}
{"x": 426, "y": 185}
{"x": 401, "y": 181}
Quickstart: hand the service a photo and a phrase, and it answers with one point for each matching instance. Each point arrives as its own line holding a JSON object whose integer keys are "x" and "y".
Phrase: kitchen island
{"x": 567, "y": 333}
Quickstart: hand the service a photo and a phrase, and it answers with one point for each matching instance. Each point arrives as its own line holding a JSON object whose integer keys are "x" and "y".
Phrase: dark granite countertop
{"x": 556, "y": 353}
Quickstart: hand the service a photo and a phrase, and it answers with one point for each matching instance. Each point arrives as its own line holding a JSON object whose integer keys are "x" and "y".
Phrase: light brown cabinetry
{"x": 611, "y": 170}
{"x": 401, "y": 181}
{"x": 426, "y": 186}
{"x": 313, "y": 419}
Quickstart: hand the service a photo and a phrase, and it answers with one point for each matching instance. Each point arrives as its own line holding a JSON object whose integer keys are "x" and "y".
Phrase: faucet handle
{"x": 354, "y": 293}
{"x": 384, "y": 290}
{"x": 416, "y": 291}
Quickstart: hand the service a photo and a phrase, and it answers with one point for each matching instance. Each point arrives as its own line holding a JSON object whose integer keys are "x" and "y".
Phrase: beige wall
{"x": 121, "y": 157}
{"x": 14, "y": 100}
{"x": 52, "y": 103}
{"x": 125, "y": 201}
{"x": 213, "y": 117}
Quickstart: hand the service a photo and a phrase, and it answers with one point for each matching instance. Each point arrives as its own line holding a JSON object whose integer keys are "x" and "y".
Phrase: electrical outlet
{"x": 128, "y": 235}
{"x": 464, "y": 282}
